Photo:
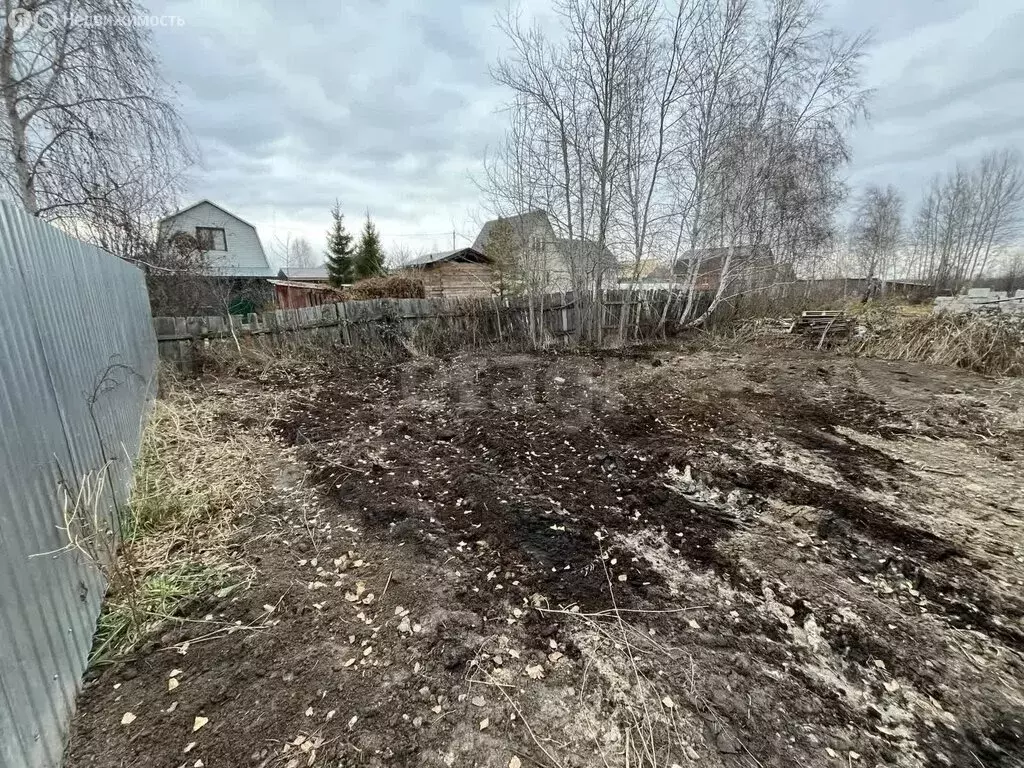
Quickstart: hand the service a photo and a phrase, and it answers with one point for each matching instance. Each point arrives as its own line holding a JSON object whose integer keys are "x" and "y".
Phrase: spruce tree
{"x": 369, "y": 258}
{"x": 339, "y": 250}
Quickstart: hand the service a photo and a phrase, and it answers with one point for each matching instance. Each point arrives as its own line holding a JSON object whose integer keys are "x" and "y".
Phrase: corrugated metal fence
{"x": 77, "y": 372}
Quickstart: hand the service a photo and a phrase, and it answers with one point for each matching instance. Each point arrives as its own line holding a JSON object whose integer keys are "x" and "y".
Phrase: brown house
{"x": 750, "y": 266}
{"x": 464, "y": 272}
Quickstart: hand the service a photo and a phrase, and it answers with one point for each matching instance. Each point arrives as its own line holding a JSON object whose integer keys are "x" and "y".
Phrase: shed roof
{"x": 464, "y": 255}
{"x": 313, "y": 274}
{"x": 305, "y": 286}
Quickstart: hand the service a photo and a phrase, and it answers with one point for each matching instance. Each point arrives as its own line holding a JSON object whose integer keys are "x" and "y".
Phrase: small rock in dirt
{"x": 127, "y": 718}
{"x": 549, "y": 630}
{"x": 454, "y": 658}
{"x": 691, "y": 753}
{"x": 478, "y": 701}
{"x": 726, "y": 744}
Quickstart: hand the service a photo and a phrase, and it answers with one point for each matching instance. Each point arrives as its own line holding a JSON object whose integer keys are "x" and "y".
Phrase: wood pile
{"x": 831, "y": 322}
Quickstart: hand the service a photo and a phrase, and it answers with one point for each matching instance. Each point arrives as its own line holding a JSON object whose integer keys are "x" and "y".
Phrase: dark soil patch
{"x": 482, "y": 494}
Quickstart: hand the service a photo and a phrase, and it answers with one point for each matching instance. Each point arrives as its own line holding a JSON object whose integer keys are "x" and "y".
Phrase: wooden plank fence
{"x": 445, "y": 323}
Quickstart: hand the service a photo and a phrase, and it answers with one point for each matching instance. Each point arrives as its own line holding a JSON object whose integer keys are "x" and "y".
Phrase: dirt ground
{"x": 758, "y": 557}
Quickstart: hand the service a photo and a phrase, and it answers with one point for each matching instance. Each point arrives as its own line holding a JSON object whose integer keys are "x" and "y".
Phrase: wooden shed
{"x": 464, "y": 272}
{"x": 294, "y": 294}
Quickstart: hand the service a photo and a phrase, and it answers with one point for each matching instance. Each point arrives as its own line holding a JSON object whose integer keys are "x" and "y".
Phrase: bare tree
{"x": 178, "y": 277}
{"x": 400, "y": 255}
{"x": 877, "y": 231}
{"x": 294, "y": 253}
{"x": 665, "y": 131}
{"x": 965, "y": 216}
{"x": 89, "y": 136}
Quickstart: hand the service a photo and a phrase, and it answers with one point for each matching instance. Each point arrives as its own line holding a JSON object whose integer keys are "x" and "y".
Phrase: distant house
{"x": 462, "y": 272}
{"x": 748, "y": 267}
{"x": 211, "y": 261}
{"x": 648, "y": 274}
{"x": 547, "y": 261}
{"x": 230, "y": 245}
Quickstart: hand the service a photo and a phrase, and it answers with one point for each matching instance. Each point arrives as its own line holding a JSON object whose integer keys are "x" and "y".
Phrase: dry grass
{"x": 989, "y": 344}
{"x": 193, "y": 480}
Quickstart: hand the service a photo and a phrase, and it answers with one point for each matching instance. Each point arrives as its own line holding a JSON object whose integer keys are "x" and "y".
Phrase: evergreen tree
{"x": 369, "y": 258}
{"x": 339, "y": 250}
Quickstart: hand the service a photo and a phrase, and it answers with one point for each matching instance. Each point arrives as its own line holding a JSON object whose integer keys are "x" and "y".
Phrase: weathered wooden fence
{"x": 430, "y": 324}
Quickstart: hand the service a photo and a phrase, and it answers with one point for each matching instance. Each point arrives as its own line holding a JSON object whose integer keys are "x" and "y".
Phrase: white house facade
{"x": 231, "y": 245}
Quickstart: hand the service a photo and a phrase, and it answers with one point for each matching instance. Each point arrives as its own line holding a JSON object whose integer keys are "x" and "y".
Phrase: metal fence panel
{"x": 77, "y": 374}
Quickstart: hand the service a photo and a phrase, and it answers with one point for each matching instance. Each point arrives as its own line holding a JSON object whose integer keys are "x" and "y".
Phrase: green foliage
{"x": 340, "y": 263}
{"x": 157, "y": 599}
{"x": 369, "y": 257}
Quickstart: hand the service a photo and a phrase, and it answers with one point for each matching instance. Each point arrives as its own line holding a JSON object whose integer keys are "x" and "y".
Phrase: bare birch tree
{"x": 964, "y": 217}
{"x": 89, "y": 136}
{"x": 663, "y": 131}
{"x": 877, "y": 231}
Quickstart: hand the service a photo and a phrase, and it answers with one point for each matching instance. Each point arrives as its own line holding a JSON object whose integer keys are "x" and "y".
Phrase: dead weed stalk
{"x": 988, "y": 344}
{"x": 192, "y": 481}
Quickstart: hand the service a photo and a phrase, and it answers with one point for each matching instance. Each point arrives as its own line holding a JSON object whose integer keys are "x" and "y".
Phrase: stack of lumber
{"x": 821, "y": 322}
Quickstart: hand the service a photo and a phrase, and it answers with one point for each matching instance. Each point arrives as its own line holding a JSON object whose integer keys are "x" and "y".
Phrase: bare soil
{"x": 757, "y": 557}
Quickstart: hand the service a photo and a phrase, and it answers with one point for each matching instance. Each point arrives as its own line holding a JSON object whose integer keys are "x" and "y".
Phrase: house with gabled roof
{"x": 230, "y": 245}
{"x": 210, "y": 261}
{"x": 542, "y": 258}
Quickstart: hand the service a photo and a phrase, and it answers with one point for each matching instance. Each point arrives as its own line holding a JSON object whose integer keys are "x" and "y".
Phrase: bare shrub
{"x": 433, "y": 337}
{"x": 390, "y": 287}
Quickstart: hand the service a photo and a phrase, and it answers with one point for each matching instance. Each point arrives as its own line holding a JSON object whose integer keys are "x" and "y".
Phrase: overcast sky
{"x": 387, "y": 105}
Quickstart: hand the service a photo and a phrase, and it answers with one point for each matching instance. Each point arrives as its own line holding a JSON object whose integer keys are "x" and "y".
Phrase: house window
{"x": 535, "y": 242}
{"x": 211, "y": 239}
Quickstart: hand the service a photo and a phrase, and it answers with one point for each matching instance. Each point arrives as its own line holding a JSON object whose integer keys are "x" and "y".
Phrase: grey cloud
{"x": 389, "y": 106}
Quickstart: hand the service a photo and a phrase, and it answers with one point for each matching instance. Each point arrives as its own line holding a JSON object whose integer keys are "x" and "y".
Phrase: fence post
{"x": 343, "y": 322}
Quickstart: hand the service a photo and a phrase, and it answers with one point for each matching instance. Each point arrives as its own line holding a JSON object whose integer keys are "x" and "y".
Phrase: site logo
{"x": 22, "y": 20}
